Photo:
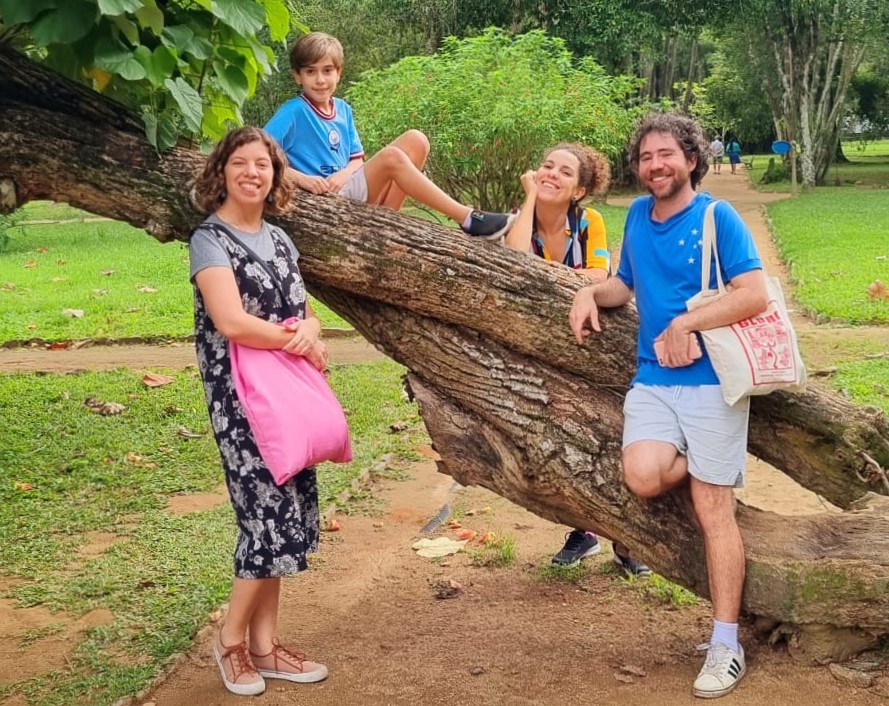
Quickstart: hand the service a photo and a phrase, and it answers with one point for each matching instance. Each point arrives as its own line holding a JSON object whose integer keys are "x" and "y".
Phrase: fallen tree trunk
{"x": 510, "y": 400}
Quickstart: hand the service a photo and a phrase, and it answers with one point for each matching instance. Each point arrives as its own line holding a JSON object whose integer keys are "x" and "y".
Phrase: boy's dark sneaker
{"x": 628, "y": 565}
{"x": 488, "y": 226}
{"x": 578, "y": 545}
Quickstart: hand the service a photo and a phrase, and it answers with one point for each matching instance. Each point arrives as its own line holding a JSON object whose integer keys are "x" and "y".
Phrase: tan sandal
{"x": 290, "y": 665}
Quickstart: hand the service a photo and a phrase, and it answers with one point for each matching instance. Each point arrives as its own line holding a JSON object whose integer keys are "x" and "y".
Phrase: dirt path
{"x": 343, "y": 349}
{"x": 368, "y": 607}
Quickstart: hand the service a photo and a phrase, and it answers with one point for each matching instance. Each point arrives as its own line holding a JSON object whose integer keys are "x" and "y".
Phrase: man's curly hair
{"x": 688, "y": 134}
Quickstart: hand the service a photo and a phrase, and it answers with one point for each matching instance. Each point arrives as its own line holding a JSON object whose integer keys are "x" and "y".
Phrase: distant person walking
{"x": 733, "y": 149}
{"x": 717, "y": 152}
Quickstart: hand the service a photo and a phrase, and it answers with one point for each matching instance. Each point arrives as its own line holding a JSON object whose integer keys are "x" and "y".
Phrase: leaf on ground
{"x": 23, "y": 486}
{"x": 155, "y": 380}
{"x": 9, "y": 287}
{"x": 30, "y": 264}
{"x": 876, "y": 290}
{"x": 104, "y": 408}
{"x": 56, "y": 280}
{"x": 59, "y": 345}
{"x": 73, "y": 313}
{"x": 440, "y": 546}
{"x": 133, "y": 459}
{"x": 467, "y": 534}
{"x": 486, "y": 538}
{"x": 332, "y": 525}
{"x": 396, "y": 427}
{"x": 42, "y": 250}
{"x": 146, "y": 289}
{"x": 625, "y": 678}
{"x": 100, "y": 292}
{"x": 32, "y": 326}
{"x": 447, "y": 589}
{"x": 187, "y": 433}
{"x": 107, "y": 273}
{"x": 61, "y": 262}
{"x": 632, "y": 670}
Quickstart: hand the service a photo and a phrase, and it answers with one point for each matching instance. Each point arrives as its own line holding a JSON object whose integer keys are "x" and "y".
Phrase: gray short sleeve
{"x": 205, "y": 250}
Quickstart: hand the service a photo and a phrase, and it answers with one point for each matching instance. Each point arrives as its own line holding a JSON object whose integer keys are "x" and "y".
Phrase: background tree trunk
{"x": 511, "y": 402}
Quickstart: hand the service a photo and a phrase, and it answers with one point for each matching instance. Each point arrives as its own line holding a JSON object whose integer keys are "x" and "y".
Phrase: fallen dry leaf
{"x": 32, "y": 326}
{"x": 877, "y": 290}
{"x": 187, "y": 433}
{"x": 332, "y": 525}
{"x": 59, "y": 345}
{"x": 73, "y": 313}
{"x": 100, "y": 292}
{"x": 42, "y": 250}
{"x": 104, "y": 408}
{"x": 155, "y": 380}
{"x": 23, "y": 486}
{"x": 133, "y": 458}
{"x": 30, "y": 264}
{"x": 146, "y": 289}
{"x": 107, "y": 273}
{"x": 56, "y": 280}
{"x": 9, "y": 287}
{"x": 60, "y": 262}
{"x": 466, "y": 534}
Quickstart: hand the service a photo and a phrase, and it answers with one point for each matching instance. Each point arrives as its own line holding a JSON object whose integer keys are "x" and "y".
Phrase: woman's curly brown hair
{"x": 208, "y": 192}
{"x": 688, "y": 134}
{"x": 594, "y": 174}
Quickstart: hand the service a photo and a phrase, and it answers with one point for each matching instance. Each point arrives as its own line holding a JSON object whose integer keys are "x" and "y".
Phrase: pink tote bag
{"x": 295, "y": 418}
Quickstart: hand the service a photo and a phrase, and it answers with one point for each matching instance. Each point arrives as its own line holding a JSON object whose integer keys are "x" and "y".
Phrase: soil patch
{"x": 368, "y": 608}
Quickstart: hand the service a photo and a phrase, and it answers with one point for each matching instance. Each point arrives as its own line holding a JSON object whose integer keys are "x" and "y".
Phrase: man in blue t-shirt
{"x": 317, "y": 132}
{"x": 677, "y": 424}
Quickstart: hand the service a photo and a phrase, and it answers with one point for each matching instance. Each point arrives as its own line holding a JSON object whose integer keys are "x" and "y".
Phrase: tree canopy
{"x": 186, "y": 66}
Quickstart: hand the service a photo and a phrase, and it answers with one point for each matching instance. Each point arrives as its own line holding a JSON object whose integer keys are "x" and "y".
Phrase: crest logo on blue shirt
{"x": 333, "y": 139}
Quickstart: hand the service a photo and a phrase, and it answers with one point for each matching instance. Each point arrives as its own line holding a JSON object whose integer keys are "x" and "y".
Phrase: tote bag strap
{"x": 709, "y": 251}
{"x": 276, "y": 280}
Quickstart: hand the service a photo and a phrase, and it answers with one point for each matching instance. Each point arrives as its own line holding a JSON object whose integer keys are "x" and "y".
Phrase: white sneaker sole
{"x": 254, "y": 689}
{"x": 319, "y": 674}
{"x": 721, "y": 692}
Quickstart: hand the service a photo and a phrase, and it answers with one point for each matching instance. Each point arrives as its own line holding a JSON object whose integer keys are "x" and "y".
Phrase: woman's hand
{"x": 305, "y": 336}
{"x": 318, "y": 355}
{"x": 529, "y": 183}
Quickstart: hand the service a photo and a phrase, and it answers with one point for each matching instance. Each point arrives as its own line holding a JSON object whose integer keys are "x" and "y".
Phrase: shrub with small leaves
{"x": 490, "y": 106}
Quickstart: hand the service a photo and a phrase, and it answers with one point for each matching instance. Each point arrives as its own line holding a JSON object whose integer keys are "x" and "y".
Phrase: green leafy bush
{"x": 490, "y": 105}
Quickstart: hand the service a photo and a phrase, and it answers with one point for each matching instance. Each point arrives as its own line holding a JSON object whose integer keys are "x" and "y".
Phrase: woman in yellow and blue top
{"x": 554, "y": 225}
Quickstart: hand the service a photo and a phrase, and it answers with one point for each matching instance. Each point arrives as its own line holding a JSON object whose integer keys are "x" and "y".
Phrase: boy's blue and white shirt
{"x": 316, "y": 144}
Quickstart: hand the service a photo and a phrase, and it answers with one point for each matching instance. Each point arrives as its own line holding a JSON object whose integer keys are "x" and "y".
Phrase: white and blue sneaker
{"x": 721, "y": 672}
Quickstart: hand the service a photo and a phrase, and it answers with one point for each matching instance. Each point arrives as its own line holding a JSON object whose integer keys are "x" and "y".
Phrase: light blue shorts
{"x": 356, "y": 187}
{"x": 698, "y": 422}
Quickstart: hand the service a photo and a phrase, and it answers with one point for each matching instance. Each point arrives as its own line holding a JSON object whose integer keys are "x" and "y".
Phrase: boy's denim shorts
{"x": 698, "y": 422}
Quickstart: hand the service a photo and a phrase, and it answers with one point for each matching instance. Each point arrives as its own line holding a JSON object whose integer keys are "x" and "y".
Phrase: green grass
{"x": 836, "y": 245}
{"x": 125, "y": 282}
{"x": 498, "y": 553}
{"x": 65, "y": 471}
{"x": 865, "y": 382}
{"x": 868, "y": 168}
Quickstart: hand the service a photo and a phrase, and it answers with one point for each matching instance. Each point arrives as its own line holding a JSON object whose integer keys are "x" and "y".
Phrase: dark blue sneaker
{"x": 578, "y": 545}
{"x": 488, "y": 226}
{"x": 628, "y": 565}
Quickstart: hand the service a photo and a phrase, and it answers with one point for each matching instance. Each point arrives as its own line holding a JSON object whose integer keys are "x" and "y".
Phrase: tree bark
{"x": 510, "y": 400}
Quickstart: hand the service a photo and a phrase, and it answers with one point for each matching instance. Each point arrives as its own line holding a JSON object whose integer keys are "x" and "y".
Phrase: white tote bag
{"x": 754, "y": 356}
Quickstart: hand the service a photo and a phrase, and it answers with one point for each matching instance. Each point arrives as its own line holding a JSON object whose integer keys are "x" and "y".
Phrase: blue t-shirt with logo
{"x": 316, "y": 144}
{"x": 661, "y": 263}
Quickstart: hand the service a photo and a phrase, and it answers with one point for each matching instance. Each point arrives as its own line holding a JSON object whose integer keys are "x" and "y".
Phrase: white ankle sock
{"x": 467, "y": 221}
{"x": 726, "y": 633}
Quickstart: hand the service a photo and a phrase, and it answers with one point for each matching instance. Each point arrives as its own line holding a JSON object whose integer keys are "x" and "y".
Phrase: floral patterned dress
{"x": 278, "y": 525}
